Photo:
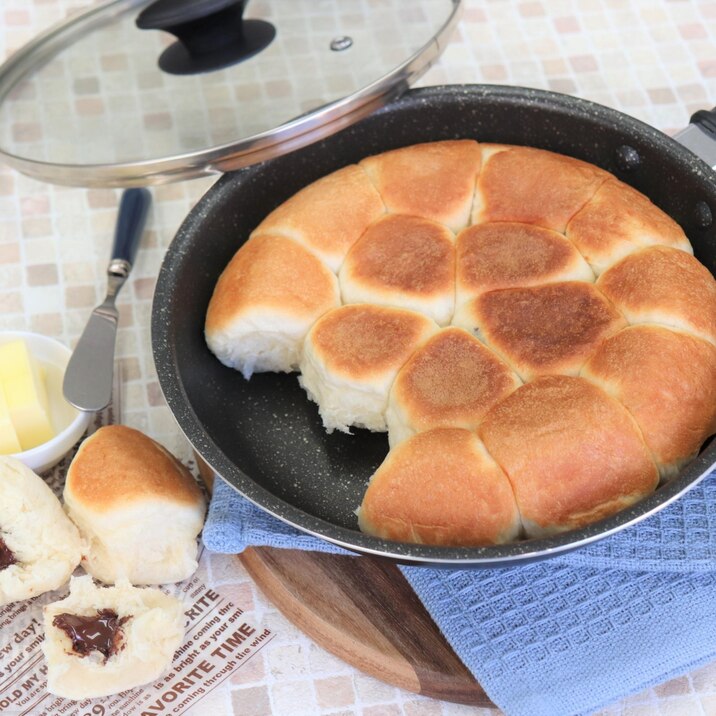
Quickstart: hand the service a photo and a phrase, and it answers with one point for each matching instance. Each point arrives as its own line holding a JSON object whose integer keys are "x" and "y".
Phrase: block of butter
{"x": 9, "y": 442}
{"x": 23, "y": 383}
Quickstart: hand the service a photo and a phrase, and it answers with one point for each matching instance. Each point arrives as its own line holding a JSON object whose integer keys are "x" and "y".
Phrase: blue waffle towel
{"x": 562, "y": 637}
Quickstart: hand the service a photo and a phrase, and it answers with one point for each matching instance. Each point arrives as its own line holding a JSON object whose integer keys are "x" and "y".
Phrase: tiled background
{"x": 654, "y": 59}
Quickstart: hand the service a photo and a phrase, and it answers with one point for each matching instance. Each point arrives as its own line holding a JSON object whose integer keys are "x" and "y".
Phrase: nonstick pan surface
{"x": 264, "y": 436}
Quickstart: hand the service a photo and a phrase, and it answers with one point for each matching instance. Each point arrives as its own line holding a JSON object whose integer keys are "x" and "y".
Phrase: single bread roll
{"x": 329, "y": 215}
{"x": 511, "y": 255}
{"x": 542, "y": 330}
{"x": 403, "y": 261}
{"x": 618, "y": 220}
{"x": 435, "y": 180}
{"x": 351, "y": 358}
{"x": 39, "y": 546}
{"x": 664, "y": 285}
{"x": 138, "y": 508}
{"x": 656, "y": 372}
{"x": 533, "y": 186}
{"x": 572, "y": 453}
{"x": 100, "y": 641}
{"x": 451, "y": 381}
{"x": 265, "y": 301}
{"x": 440, "y": 487}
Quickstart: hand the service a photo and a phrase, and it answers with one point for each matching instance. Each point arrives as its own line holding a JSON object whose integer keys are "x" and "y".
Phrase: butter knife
{"x": 88, "y": 379}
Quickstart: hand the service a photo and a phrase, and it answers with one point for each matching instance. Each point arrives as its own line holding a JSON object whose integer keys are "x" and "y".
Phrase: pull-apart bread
{"x": 535, "y": 335}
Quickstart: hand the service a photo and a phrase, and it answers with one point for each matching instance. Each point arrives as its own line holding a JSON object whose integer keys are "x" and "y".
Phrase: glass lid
{"x": 135, "y": 92}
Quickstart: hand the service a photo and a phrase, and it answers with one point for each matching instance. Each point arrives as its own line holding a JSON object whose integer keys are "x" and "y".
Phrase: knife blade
{"x": 88, "y": 378}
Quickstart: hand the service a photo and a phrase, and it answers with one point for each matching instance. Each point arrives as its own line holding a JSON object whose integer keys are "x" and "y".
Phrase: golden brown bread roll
{"x": 542, "y": 330}
{"x": 533, "y": 186}
{"x": 665, "y": 286}
{"x": 403, "y": 261}
{"x": 350, "y": 360}
{"x": 572, "y": 453}
{"x": 435, "y": 180}
{"x": 266, "y": 299}
{"x": 510, "y": 255}
{"x": 451, "y": 381}
{"x": 440, "y": 487}
{"x": 667, "y": 381}
{"x": 137, "y": 507}
{"x": 618, "y": 220}
{"x": 329, "y": 215}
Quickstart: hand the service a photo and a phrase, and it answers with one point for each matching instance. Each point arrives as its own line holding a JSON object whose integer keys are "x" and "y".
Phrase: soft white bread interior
{"x": 137, "y": 507}
{"x": 266, "y": 299}
{"x": 351, "y": 357}
{"x": 150, "y": 628}
{"x": 39, "y": 546}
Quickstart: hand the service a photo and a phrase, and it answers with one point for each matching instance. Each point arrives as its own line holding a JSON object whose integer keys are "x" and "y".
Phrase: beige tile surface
{"x": 653, "y": 59}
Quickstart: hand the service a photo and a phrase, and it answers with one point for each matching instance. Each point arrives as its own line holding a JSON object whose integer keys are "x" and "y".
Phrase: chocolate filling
{"x": 7, "y": 558}
{"x": 101, "y": 633}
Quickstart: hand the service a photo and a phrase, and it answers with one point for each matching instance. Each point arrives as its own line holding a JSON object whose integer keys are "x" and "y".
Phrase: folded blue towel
{"x": 561, "y": 637}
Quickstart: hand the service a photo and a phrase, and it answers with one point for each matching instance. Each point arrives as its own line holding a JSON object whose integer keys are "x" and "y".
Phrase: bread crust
{"x": 572, "y": 453}
{"x": 470, "y": 499}
{"x": 435, "y": 180}
{"x": 403, "y": 261}
{"x": 514, "y": 255}
{"x": 453, "y": 380}
{"x": 534, "y": 186}
{"x": 655, "y": 372}
{"x": 543, "y": 330}
{"x": 329, "y": 215}
{"x": 665, "y": 286}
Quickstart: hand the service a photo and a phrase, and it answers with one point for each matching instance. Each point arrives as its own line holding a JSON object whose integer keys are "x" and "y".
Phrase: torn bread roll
{"x": 573, "y": 454}
{"x": 39, "y": 545}
{"x": 266, "y": 299}
{"x": 136, "y": 506}
{"x": 351, "y": 357}
{"x": 403, "y": 261}
{"x": 103, "y": 640}
{"x": 440, "y": 487}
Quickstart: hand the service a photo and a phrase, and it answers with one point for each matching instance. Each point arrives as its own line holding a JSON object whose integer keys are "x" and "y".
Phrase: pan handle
{"x": 700, "y": 136}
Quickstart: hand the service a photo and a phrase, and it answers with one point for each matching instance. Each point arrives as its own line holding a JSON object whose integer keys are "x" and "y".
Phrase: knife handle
{"x": 133, "y": 208}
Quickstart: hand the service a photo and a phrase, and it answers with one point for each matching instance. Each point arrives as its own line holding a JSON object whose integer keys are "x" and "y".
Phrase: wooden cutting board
{"x": 364, "y": 611}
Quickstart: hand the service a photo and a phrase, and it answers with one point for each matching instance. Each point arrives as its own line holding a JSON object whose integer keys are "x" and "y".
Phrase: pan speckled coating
{"x": 264, "y": 436}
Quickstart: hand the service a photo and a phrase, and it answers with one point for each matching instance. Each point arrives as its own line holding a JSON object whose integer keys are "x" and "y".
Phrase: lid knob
{"x": 212, "y": 34}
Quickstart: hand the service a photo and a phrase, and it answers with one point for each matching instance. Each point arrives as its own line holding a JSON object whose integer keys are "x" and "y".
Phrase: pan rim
{"x": 402, "y": 552}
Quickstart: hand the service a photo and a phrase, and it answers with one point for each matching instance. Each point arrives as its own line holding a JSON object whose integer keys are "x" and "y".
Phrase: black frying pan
{"x": 263, "y": 435}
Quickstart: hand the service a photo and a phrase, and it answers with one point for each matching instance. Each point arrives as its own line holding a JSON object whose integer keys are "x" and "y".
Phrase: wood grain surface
{"x": 364, "y": 611}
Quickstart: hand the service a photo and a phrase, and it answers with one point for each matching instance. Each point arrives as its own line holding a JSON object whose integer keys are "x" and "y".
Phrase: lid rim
{"x": 291, "y": 135}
